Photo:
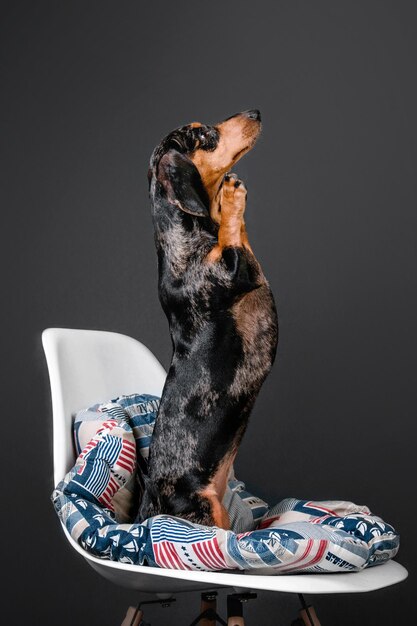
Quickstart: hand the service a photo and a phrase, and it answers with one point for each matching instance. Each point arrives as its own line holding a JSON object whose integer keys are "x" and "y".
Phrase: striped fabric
{"x": 138, "y": 409}
{"x": 293, "y": 536}
{"x": 107, "y": 462}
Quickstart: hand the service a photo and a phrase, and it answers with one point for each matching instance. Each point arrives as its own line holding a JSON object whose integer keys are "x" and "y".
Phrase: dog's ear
{"x": 182, "y": 182}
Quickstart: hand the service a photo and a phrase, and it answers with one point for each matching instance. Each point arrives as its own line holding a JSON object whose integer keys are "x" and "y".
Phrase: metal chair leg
{"x": 307, "y": 614}
{"x": 208, "y": 608}
{"x": 234, "y": 612}
{"x": 208, "y": 615}
{"x": 134, "y": 616}
{"x": 235, "y": 608}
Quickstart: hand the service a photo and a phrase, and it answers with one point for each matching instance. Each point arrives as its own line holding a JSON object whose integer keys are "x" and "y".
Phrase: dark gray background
{"x": 88, "y": 89}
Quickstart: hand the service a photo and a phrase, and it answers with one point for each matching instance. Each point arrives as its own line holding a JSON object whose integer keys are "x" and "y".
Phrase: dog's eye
{"x": 207, "y": 138}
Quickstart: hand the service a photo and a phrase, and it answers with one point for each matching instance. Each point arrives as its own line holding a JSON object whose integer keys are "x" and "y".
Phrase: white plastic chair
{"x": 89, "y": 366}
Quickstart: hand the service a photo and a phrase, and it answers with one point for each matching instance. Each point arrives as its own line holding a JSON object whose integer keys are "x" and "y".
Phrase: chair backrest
{"x": 90, "y": 366}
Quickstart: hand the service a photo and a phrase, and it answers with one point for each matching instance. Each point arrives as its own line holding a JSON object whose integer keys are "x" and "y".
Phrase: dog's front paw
{"x": 233, "y": 194}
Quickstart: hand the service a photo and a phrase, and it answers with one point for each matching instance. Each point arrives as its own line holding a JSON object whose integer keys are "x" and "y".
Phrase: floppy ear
{"x": 182, "y": 182}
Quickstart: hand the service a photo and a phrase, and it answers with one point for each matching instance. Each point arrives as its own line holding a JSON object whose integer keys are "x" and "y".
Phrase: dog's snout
{"x": 253, "y": 114}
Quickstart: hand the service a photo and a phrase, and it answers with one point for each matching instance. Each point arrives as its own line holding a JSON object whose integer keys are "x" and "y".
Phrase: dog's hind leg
{"x": 218, "y": 513}
{"x": 215, "y": 490}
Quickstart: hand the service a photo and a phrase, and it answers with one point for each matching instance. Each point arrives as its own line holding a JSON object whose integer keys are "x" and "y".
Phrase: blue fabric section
{"x": 359, "y": 526}
{"x": 125, "y": 544}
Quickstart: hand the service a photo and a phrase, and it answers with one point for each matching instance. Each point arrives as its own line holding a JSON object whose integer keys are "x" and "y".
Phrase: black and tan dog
{"x": 221, "y": 314}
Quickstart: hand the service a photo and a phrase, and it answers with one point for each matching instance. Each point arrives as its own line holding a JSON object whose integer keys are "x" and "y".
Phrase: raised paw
{"x": 233, "y": 194}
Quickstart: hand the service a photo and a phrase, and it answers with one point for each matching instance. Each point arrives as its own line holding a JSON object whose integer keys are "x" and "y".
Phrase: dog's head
{"x": 190, "y": 163}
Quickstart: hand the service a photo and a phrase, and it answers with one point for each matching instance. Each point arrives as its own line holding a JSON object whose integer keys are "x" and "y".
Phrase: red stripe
{"x": 88, "y": 447}
{"x": 208, "y": 548}
{"x": 320, "y": 551}
{"x": 319, "y": 554}
{"x": 209, "y": 552}
{"x": 200, "y": 556}
{"x": 164, "y": 557}
{"x": 108, "y": 425}
{"x": 213, "y": 555}
{"x": 180, "y": 563}
{"x": 129, "y": 459}
{"x": 122, "y": 464}
{"x": 215, "y": 544}
{"x": 314, "y": 505}
{"x": 105, "y": 498}
{"x": 302, "y": 557}
{"x": 130, "y": 445}
{"x": 156, "y": 551}
{"x": 128, "y": 455}
{"x": 164, "y": 547}
{"x": 113, "y": 485}
{"x": 160, "y": 559}
{"x": 268, "y": 522}
{"x": 174, "y": 555}
{"x": 109, "y": 490}
{"x": 201, "y": 552}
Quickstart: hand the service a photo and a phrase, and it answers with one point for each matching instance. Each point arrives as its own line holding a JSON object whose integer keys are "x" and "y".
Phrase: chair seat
{"x": 156, "y": 580}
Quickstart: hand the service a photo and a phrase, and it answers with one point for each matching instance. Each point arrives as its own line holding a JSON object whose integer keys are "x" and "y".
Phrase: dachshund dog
{"x": 221, "y": 315}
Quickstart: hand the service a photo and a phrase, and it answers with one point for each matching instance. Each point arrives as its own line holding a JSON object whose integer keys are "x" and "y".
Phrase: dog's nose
{"x": 253, "y": 114}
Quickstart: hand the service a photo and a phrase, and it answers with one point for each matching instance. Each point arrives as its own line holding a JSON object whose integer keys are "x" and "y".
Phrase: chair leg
{"x": 307, "y": 614}
{"x": 235, "y": 608}
{"x": 208, "y": 615}
{"x": 234, "y": 611}
{"x": 133, "y": 617}
{"x": 208, "y": 609}
{"x": 309, "y": 617}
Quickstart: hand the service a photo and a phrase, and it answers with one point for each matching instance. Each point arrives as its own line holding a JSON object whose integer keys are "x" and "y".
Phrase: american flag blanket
{"x": 96, "y": 498}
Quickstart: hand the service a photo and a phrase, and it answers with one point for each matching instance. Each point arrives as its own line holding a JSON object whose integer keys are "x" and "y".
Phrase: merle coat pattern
{"x": 221, "y": 315}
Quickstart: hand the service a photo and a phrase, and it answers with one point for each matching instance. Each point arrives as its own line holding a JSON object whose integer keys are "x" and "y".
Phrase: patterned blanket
{"x": 97, "y": 500}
